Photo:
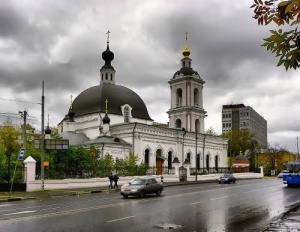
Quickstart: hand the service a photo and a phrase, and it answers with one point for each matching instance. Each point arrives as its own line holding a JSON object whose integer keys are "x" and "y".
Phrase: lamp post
{"x": 184, "y": 132}
{"x": 204, "y": 137}
{"x": 196, "y": 133}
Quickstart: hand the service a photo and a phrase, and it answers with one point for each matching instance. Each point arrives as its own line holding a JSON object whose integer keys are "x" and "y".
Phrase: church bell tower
{"x": 186, "y": 97}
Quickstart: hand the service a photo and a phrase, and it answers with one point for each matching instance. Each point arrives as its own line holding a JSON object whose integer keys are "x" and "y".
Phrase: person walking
{"x": 116, "y": 178}
{"x": 111, "y": 180}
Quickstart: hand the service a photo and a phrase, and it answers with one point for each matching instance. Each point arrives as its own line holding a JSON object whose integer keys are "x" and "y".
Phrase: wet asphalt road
{"x": 247, "y": 205}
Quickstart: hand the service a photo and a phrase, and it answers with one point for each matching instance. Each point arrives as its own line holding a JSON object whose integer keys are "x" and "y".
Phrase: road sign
{"x": 21, "y": 155}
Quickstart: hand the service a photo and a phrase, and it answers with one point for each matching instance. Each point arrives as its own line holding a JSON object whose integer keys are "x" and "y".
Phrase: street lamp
{"x": 204, "y": 137}
{"x": 184, "y": 132}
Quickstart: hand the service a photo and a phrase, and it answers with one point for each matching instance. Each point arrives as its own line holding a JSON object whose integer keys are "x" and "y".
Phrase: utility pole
{"x": 24, "y": 116}
{"x": 298, "y": 158}
{"x": 196, "y": 133}
{"x": 42, "y": 140}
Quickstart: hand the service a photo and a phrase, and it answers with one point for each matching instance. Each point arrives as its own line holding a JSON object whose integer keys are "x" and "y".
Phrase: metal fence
{"x": 15, "y": 175}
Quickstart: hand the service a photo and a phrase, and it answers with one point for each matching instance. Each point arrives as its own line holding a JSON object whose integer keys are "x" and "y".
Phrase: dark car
{"x": 227, "y": 179}
{"x": 141, "y": 186}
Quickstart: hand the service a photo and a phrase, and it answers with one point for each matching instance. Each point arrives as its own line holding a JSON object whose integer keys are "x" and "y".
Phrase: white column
{"x": 29, "y": 164}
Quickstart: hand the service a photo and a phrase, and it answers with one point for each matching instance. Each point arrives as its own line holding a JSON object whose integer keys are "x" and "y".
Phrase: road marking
{"x": 7, "y": 205}
{"x": 218, "y": 198}
{"x": 195, "y": 203}
{"x": 120, "y": 219}
{"x": 22, "y": 212}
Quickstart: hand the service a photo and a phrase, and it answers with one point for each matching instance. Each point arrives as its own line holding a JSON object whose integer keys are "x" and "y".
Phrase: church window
{"x": 216, "y": 163}
{"x": 196, "y": 97}
{"x": 189, "y": 63}
{"x": 188, "y": 157}
{"x": 169, "y": 160}
{"x": 126, "y": 114}
{"x": 106, "y": 76}
{"x": 178, "y": 97}
{"x": 197, "y": 125}
{"x": 207, "y": 162}
{"x": 111, "y": 76}
{"x": 147, "y": 157}
{"x": 102, "y": 76}
{"x": 178, "y": 123}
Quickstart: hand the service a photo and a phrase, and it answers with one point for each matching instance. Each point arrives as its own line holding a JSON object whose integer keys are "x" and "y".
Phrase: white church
{"x": 116, "y": 121}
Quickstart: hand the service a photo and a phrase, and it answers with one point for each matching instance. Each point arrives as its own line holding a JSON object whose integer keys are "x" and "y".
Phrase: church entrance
{"x": 159, "y": 162}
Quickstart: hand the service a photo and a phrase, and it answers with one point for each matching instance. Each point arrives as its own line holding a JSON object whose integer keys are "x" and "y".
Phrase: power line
{"x": 5, "y": 99}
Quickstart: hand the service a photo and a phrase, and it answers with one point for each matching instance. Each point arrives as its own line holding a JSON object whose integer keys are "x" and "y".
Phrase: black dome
{"x": 106, "y": 119}
{"x": 108, "y": 56}
{"x": 186, "y": 71}
{"x": 48, "y": 130}
{"x": 92, "y": 100}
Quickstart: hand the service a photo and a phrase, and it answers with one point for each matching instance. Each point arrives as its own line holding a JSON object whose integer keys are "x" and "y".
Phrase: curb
{"x": 12, "y": 199}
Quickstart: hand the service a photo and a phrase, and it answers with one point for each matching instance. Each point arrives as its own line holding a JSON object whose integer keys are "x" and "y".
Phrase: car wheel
{"x": 219, "y": 182}
{"x": 125, "y": 196}
{"x": 142, "y": 194}
{"x": 233, "y": 182}
{"x": 158, "y": 193}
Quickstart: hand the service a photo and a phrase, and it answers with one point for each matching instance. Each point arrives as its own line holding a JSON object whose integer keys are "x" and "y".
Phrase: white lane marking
{"x": 218, "y": 198}
{"x": 7, "y": 205}
{"x": 195, "y": 203}
{"x": 120, "y": 219}
{"x": 22, "y": 212}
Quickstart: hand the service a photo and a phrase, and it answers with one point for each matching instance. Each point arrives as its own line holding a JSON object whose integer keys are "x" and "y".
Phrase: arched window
{"x": 126, "y": 114}
{"x": 179, "y": 97}
{"x": 188, "y": 157}
{"x": 169, "y": 160}
{"x": 198, "y": 161}
{"x": 106, "y": 76}
{"x": 102, "y": 76}
{"x": 178, "y": 123}
{"x": 111, "y": 76}
{"x": 216, "y": 163}
{"x": 196, "y": 97}
{"x": 197, "y": 125}
{"x": 147, "y": 157}
{"x": 207, "y": 162}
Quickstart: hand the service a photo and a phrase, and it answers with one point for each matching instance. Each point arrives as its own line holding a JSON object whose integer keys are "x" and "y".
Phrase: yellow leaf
{"x": 288, "y": 8}
{"x": 284, "y": 3}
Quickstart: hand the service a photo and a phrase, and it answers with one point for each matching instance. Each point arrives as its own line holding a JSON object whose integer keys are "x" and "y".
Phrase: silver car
{"x": 141, "y": 186}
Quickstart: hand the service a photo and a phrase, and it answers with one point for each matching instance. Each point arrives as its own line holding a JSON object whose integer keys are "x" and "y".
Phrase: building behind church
{"x": 116, "y": 120}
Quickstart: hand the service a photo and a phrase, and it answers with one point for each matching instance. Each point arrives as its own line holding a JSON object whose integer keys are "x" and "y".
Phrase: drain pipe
{"x": 133, "y": 137}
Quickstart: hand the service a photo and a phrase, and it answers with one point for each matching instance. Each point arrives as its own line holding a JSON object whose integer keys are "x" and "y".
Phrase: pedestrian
{"x": 111, "y": 180}
{"x": 116, "y": 178}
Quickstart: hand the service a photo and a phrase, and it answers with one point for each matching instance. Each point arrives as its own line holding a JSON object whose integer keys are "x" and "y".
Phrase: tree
{"x": 285, "y": 44}
{"x": 10, "y": 147}
{"x": 239, "y": 141}
{"x": 273, "y": 157}
{"x": 211, "y": 131}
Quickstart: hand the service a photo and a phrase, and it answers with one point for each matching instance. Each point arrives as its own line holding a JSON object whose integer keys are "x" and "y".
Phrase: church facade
{"x": 115, "y": 120}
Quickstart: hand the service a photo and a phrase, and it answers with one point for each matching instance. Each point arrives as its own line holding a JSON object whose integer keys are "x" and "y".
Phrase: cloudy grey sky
{"x": 61, "y": 42}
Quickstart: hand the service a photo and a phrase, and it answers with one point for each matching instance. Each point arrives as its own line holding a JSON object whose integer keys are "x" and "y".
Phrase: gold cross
{"x": 71, "y": 101}
{"x": 186, "y": 34}
{"x": 107, "y": 36}
{"x": 106, "y": 105}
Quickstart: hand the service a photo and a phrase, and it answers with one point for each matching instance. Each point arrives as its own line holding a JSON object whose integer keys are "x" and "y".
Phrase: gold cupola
{"x": 186, "y": 52}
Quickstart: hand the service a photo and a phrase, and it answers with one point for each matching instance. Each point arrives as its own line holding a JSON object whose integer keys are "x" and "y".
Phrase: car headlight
{"x": 134, "y": 190}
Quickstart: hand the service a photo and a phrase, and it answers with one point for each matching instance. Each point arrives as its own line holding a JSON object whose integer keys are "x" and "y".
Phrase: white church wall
{"x": 153, "y": 138}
